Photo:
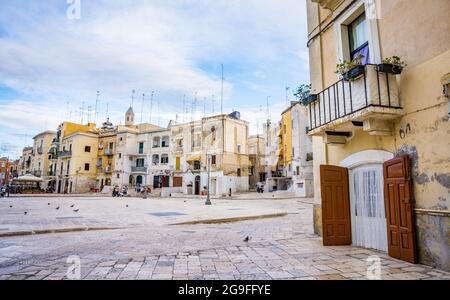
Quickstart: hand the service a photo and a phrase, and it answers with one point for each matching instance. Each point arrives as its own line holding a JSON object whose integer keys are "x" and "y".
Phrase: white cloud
{"x": 171, "y": 47}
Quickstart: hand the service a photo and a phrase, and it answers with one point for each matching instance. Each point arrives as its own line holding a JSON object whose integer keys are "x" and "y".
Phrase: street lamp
{"x": 208, "y": 199}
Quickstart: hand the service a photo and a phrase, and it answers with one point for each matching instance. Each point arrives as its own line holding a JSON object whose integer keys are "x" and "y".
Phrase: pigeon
{"x": 76, "y": 210}
{"x": 25, "y": 213}
{"x": 10, "y": 206}
{"x": 247, "y": 239}
{"x": 57, "y": 208}
{"x": 127, "y": 205}
{"x": 72, "y": 206}
{"x": 48, "y": 204}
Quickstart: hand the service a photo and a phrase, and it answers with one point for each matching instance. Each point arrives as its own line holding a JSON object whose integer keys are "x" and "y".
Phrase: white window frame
{"x": 341, "y": 32}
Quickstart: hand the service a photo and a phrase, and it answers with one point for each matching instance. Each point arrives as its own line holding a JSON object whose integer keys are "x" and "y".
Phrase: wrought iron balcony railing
{"x": 138, "y": 169}
{"x": 63, "y": 154}
{"x": 346, "y": 98}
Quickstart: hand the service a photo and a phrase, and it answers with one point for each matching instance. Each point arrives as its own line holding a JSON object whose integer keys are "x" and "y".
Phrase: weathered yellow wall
{"x": 417, "y": 31}
{"x": 286, "y": 131}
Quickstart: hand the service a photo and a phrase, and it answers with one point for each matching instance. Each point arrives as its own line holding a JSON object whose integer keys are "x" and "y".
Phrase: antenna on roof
{"x": 151, "y": 106}
{"x": 82, "y": 112}
{"x": 96, "y": 106}
{"x": 159, "y": 114}
{"x": 287, "y": 95}
{"x": 194, "y": 107}
{"x": 142, "y": 107}
{"x": 132, "y": 97}
{"x": 204, "y": 107}
{"x": 184, "y": 108}
{"x": 268, "y": 110}
{"x": 221, "y": 101}
{"x": 89, "y": 113}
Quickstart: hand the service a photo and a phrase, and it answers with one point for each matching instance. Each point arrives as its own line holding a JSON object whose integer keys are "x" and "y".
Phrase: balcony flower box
{"x": 390, "y": 69}
{"x": 354, "y": 73}
{"x": 311, "y": 98}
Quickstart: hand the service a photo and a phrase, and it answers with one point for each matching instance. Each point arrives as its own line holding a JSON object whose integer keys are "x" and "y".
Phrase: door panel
{"x": 335, "y": 206}
{"x": 399, "y": 209}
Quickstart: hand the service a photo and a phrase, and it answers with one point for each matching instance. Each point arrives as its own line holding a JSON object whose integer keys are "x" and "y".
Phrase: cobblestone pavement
{"x": 279, "y": 248}
{"x": 40, "y": 213}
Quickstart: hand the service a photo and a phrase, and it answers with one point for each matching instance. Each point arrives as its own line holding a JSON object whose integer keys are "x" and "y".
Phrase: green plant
{"x": 396, "y": 61}
{"x": 303, "y": 91}
{"x": 345, "y": 66}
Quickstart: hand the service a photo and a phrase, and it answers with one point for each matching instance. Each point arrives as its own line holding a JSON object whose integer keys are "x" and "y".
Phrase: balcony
{"x": 37, "y": 173}
{"x": 108, "y": 170}
{"x": 64, "y": 154}
{"x": 138, "y": 170}
{"x": 40, "y": 150}
{"x": 370, "y": 103}
{"x": 328, "y": 4}
{"x": 109, "y": 152}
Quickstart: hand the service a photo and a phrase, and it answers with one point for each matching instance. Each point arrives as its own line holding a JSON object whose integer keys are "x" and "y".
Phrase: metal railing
{"x": 109, "y": 152}
{"x": 138, "y": 169}
{"x": 64, "y": 153}
{"x": 373, "y": 89}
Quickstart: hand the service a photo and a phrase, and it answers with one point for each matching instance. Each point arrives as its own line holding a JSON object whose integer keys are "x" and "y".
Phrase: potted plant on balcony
{"x": 351, "y": 70}
{"x": 303, "y": 94}
{"x": 392, "y": 65}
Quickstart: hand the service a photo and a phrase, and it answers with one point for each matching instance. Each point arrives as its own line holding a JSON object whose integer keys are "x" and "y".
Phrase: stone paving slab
{"x": 280, "y": 248}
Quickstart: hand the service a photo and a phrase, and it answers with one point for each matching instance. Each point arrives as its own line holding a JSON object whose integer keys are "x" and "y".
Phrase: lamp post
{"x": 208, "y": 199}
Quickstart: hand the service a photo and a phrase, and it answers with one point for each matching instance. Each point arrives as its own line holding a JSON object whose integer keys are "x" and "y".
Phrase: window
{"x": 213, "y": 159}
{"x": 358, "y": 38}
{"x": 140, "y": 162}
{"x": 87, "y": 149}
{"x": 213, "y": 133}
{"x": 180, "y": 143}
{"x": 118, "y": 176}
{"x": 197, "y": 165}
{"x": 62, "y": 168}
{"x": 239, "y": 172}
{"x": 164, "y": 159}
{"x": 238, "y": 148}
{"x": 141, "y": 148}
{"x": 111, "y": 146}
{"x": 120, "y": 155}
{"x": 298, "y": 170}
{"x": 87, "y": 167}
{"x": 156, "y": 142}
{"x": 165, "y": 142}
{"x": 155, "y": 159}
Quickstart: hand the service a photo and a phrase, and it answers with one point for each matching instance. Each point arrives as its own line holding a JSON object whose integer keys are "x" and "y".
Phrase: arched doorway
{"x": 197, "y": 185}
{"x": 367, "y": 205}
{"x": 139, "y": 180}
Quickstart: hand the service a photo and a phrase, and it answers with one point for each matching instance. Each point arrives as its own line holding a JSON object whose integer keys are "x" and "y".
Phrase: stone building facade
{"x": 362, "y": 125}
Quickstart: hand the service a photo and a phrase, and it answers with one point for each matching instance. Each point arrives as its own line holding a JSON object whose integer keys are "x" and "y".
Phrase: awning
{"x": 28, "y": 178}
{"x": 193, "y": 158}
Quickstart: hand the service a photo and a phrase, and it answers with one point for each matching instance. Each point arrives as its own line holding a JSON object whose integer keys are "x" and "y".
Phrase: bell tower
{"x": 129, "y": 117}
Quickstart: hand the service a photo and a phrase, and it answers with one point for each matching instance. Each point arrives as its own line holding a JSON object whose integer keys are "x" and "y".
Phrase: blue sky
{"x": 51, "y": 64}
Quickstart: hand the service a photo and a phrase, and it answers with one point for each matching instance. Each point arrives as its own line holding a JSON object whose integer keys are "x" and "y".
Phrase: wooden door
{"x": 398, "y": 197}
{"x": 335, "y": 206}
{"x": 178, "y": 182}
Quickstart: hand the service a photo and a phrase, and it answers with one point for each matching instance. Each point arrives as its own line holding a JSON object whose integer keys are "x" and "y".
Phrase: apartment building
{"x": 380, "y": 131}
{"x": 257, "y": 170}
{"x": 223, "y": 140}
{"x": 26, "y": 161}
{"x": 41, "y": 160}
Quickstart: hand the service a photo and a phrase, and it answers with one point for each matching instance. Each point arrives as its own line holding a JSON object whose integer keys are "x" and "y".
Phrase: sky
{"x": 55, "y": 55}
